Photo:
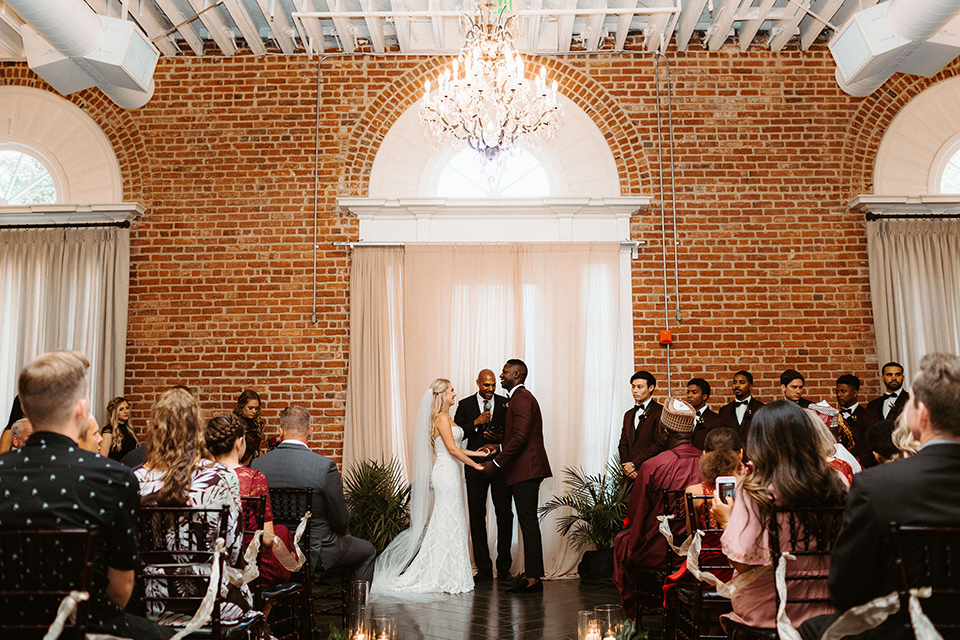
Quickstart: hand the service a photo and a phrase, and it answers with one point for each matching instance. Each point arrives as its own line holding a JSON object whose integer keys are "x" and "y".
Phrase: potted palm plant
{"x": 597, "y": 505}
{"x": 379, "y": 501}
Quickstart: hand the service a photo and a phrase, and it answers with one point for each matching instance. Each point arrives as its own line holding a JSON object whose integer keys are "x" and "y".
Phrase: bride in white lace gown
{"x": 432, "y": 556}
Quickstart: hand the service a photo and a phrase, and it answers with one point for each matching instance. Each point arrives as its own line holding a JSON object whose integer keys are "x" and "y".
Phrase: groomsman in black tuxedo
{"x": 851, "y": 416}
{"x": 791, "y": 384}
{"x": 738, "y": 414}
{"x": 638, "y": 438}
{"x": 698, "y": 393}
{"x": 890, "y": 404}
{"x": 481, "y": 416}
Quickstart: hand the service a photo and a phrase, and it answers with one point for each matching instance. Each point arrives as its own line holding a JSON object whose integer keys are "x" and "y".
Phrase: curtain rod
{"x": 633, "y": 244}
{"x": 871, "y": 217}
{"x": 124, "y": 224}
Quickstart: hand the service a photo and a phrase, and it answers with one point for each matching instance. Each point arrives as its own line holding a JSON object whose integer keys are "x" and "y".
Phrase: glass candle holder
{"x": 358, "y": 616}
{"x": 587, "y": 626}
{"x": 383, "y": 628}
{"x": 609, "y": 619}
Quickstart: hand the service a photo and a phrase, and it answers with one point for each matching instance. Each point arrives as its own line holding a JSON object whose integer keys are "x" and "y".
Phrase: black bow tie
{"x": 741, "y": 403}
{"x": 889, "y": 395}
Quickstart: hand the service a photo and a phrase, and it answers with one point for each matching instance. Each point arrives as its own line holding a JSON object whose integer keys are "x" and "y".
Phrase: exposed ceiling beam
{"x": 749, "y": 28}
{"x": 243, "y": 20}
{"x": 565, "y": 28}
{"x": 593, "y": 33}
{"x": 811, "y": 27}
{"x": 374, "y": 27}
{"x": 185, "y": 29}
{"x": 784, "y": 30}
{"x": 724, "y": 13}
{"x": 216, "y": 26}
{"x": 623, "y": 25}
{"x": 437, "y": 24}
{"x": 534, "y": 25}
{"x": 280, "y": 29}
{"x": 689, "y": 17}
{"x": 402, "y": 26}
{"x": 346, "y": 30}
{"x": 661, "y": 25}
{"x": 11, "y": 45}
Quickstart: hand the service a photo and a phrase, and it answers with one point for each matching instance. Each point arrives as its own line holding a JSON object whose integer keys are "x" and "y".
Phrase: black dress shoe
{"x": 506, "y": 578}
{"x": 483, "y": 576}
{"x": 525, "y": 587}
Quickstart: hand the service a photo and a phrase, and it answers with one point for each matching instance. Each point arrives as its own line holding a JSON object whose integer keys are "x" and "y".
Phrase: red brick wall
{"x": 767, "y": 153}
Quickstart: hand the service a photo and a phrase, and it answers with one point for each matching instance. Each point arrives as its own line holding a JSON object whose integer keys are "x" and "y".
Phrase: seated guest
{"x": 738, "y": 414}
{"x": 16, "y": 412}
{"x": 791, "y": 384}
{"x": 642, "y": 545}
{"x": 791, "y": 471}
{"x": 638, "y": 440}
{"x": 90, "y": 437}
{"x": 293, "y": 466}
{"x": 880, "y": 439}
{"x": 226, "y": 443}
{"x": 722, "y": 456}
{"x": 698, "y": 394}
{"x": 52, "y": 483}
{"x": 903, "y": 438}
{"x": 840, "y": 459}
{"x": 176, "y": 473}
{"x": 118, "y": 438}
{"x": 919, "y": 491}
{"x": 19, "y": 433}
{"x": 248, "y": 410}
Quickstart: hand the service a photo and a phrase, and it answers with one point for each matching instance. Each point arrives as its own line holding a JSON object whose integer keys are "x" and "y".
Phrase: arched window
{"x": 945, "y": 172}
{"x": 25, "y": 178}
{"x": 464, "y": 174}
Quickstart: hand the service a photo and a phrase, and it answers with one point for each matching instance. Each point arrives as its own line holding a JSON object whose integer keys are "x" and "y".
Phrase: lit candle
{"x": 592, "y": 635}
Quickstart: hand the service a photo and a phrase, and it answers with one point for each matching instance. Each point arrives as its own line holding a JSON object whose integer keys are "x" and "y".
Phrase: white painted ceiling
{"x": 228, "y": 27}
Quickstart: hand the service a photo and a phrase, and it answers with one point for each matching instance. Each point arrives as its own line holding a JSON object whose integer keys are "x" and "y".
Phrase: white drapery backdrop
{"x": 426, "y": 311}
{"x": 65, "y": 288}
{"x": 915, "y": 288}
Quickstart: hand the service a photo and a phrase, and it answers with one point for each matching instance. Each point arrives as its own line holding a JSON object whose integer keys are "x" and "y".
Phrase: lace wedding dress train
{"x": 442, "y": 563}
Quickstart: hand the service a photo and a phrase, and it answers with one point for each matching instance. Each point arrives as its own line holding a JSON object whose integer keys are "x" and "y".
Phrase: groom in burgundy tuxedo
{"x": 523, "y": 461}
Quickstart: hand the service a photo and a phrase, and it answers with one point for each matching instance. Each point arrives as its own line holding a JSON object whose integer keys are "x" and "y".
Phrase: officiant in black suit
{"x": 481, "y": 416}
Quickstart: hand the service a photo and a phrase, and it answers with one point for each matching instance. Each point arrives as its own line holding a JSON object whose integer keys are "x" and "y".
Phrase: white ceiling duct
{"x": 72, "y": 48}
{"x": 910, "y": 36}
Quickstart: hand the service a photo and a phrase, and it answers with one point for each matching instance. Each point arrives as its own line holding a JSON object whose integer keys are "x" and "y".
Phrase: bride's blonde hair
{"x": 439, "y": 387}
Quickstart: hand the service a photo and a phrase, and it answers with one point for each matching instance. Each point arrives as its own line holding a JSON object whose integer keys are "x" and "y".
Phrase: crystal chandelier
{"x": 484, "y": 99}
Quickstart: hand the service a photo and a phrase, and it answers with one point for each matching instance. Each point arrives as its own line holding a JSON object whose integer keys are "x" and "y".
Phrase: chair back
{"x": 711, "y": 558}
{"x": 38, "y": 568}
{"x": 808, "y": 534}
{"x": 929, "y": 557}
{"x": 176, "y": 556}
{"x": 289, "y": 506}
{"x": 254, "y": 514}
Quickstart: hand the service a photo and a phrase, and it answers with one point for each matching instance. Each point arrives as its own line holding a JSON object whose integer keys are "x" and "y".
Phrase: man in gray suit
{"x": 292, "y": 465}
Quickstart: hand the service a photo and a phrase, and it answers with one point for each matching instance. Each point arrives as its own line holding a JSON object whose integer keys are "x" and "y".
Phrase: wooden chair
{"x": 928, "y": 557}
{"x": 38, "y": 568}
{"x": 283, "y": 598}
{"x": 289, "y": 506}
{"x": 173, "y": 542}
{"x": 787, "y": 534}
{"x": 699, "y": 606}
{"x": 649, "y": 582}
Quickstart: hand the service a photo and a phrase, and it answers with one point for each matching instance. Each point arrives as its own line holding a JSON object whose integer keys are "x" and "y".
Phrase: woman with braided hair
{"x": 227, "y": 444}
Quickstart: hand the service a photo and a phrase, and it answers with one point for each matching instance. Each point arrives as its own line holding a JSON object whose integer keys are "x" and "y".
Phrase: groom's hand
{"x": 489, "y": 469}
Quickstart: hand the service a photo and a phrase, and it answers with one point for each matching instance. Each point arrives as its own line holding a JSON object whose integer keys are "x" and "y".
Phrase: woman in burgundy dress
{"x": 226, "y": 443}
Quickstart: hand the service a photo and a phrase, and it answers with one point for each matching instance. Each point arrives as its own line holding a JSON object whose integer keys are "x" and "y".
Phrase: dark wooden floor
{"x": 489, "y": 613}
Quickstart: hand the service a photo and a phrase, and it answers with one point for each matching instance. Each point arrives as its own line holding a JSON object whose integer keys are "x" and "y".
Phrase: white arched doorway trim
{"x": 585, "y": 206}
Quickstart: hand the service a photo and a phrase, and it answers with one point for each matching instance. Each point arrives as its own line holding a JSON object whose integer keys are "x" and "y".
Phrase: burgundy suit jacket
{"x": 523, "y": 456}
{"x": 642, "y": 445}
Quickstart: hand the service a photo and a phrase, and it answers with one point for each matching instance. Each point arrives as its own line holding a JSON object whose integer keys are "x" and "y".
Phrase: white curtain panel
{"x": 558, "y": 307}
{"x": 915, "y": 288}
{"x": 65, "y": 288}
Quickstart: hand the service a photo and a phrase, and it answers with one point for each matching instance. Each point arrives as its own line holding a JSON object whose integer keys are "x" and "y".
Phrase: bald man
{"x": 481, "y": 416}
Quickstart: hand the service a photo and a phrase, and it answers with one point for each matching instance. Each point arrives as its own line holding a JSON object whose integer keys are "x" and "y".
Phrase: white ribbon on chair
{"x": 250, "y": 569}
{"x": 870, "y": 615}
{"x": 202, "y": 616}
{"x": 691, "y": 549}
{"x": 785, "y": 628}
{"x": 292, "y": 561}
{"x": 68, "y": 610}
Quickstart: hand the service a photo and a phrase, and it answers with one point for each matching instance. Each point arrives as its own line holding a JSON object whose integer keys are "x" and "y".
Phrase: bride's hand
{"x": 482, "y": 453}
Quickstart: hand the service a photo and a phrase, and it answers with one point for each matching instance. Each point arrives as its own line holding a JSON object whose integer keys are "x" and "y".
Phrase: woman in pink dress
{"x": 790, "y": 470}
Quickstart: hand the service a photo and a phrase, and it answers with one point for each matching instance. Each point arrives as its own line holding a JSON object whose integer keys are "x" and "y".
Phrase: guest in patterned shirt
{"x": 178, "y": 473}
{"x": 52, "y": 483}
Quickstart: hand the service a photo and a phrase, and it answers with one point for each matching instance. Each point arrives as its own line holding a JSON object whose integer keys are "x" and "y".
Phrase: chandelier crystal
{"x": 484, "y": 98}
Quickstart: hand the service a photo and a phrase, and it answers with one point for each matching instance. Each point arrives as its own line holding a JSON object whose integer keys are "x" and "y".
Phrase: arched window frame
{"x": 47, "y": 161}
